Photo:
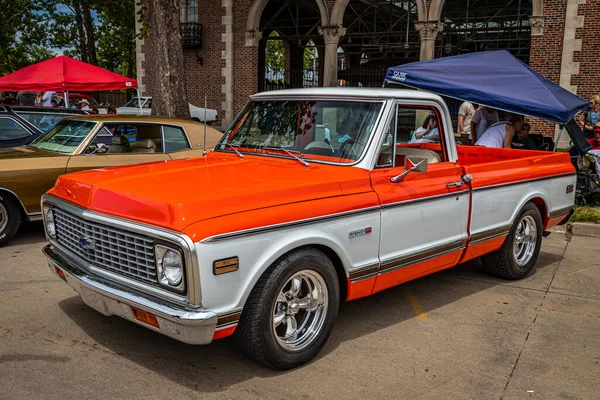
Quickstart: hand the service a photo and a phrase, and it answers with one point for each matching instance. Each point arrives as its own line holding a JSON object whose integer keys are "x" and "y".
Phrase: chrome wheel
{"x": 525, "y": 240}
{"x": 3, "y": 218}
{"x": 300, "y": 310}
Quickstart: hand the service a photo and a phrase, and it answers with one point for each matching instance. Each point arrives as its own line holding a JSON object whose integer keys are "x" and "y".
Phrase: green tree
{"x": 21, "y": 35}
{"x": 116, "y": 36}
{"x": 275, "y": 54}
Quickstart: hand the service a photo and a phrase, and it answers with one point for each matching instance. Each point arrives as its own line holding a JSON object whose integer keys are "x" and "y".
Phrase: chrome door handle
{"x": 455, "y": 184}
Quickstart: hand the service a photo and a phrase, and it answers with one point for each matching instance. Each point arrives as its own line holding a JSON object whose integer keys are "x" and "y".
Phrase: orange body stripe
{"x": 360, "y": 289}
{"x": 402, "y": 275}
{"x": 223, "y": 333}
{"x": 479, "y": 249}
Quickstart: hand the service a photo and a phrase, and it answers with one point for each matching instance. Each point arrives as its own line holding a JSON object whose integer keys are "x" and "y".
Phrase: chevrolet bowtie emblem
{"x": 86, "y": 243}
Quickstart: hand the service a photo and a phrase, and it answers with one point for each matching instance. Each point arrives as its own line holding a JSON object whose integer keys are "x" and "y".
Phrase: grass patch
{"x": 586, "y": 214}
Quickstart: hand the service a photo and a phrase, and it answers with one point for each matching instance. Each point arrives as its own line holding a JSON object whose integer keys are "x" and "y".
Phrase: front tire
{"x": 517, "y": 256}
{"x": 10, "y": 218}
{"x": 291, "y": 310}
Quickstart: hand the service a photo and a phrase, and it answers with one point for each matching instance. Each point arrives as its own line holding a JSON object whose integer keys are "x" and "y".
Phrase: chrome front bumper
{"x": 188, "y": 326}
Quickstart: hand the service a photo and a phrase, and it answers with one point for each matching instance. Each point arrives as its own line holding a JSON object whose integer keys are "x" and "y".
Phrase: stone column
{"x": 428, "y": 31}
{"x": 253, "y": 38}
{"x": 537, "y": 25}
{"x": 331, "y": 37}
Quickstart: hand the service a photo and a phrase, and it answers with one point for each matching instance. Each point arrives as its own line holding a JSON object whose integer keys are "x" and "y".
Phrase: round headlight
{"x": 50, "y": 226}
{"x": 172, "y": 269}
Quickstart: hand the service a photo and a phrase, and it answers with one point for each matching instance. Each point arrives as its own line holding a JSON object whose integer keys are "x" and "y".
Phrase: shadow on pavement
{"x": 222, "y": 364}
{"x": 28, "y": 233}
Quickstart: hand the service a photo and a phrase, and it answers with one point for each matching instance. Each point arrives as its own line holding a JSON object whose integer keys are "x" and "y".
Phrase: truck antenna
{"x": 205, "y": 105}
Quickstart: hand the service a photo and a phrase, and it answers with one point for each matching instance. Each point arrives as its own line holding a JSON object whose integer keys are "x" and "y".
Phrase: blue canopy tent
{"x": 495, "y": 79}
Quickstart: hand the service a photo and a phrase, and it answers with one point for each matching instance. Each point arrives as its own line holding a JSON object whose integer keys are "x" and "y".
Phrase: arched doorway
{"x": 379, "y": 34}
{"x": 310, "y": 67}
{"x": 296, "y": 23}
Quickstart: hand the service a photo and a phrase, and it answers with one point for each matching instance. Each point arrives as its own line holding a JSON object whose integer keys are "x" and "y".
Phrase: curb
{"x": 578, "y": 229}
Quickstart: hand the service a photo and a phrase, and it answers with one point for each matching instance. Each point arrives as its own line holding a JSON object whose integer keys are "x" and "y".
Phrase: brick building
{"x": 224, "y": 41}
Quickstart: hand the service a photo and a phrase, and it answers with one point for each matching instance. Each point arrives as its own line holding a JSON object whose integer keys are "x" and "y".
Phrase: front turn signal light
{"x": 145, "y": 317}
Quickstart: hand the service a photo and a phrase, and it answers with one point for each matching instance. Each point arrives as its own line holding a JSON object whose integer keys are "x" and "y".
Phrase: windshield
{"x": 134, "y": 102}
{"x": 334, "y": 131}
{"x": 65, "y": 137}
{"x": 43, "y": 121}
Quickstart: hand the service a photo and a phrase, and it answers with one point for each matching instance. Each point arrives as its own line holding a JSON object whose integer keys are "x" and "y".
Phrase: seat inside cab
{"x": 402, "y": 152}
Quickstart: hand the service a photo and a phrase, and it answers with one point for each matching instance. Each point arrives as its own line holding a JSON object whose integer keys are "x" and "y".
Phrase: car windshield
{"x": 318, "y": 130}
{"x": 43, "y": 121}
{"x": 134, "y": 102}
{"x": 65, "y": 137}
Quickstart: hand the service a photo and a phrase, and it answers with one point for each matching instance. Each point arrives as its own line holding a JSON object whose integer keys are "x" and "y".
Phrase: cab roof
{"x": 133, "y": 118}
{"x": 375, "y": 93}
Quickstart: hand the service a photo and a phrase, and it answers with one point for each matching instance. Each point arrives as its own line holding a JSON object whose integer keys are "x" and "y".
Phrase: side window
{"x": 11, "y": 130}
{"x": 412, "y": 130}
{"x": 174, "y": 139}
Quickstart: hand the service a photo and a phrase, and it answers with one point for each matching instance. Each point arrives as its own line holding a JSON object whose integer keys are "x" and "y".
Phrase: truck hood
{"x": 175, "y": 194}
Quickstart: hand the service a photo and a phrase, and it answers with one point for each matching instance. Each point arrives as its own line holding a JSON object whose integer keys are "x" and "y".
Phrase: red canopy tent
{"x": 64, "y": 74}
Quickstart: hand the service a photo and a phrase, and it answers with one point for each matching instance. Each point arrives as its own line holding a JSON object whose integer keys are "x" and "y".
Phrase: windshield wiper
{"x": 306, "y": 164}
{"x": 233, "y": 147}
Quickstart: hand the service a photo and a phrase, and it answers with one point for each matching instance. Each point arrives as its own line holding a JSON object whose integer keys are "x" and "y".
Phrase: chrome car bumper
{"x": 188, "y": 326}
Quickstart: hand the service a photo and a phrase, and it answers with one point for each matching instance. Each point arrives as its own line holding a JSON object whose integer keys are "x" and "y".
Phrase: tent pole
{"x": 205, "y": 100}
{"x": 558, "y": 138}
{"x": 139, "y": 100}
{"x": 66, "y": 94}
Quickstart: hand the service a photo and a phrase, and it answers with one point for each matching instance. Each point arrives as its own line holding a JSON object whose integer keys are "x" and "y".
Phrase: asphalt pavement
{"x": 458, "y": 334}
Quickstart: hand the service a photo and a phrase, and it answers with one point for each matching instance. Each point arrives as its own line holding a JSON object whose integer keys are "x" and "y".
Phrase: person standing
{"x": 522, "y": 140}
{"x": 465, "y": 115}
{"x": 47, "y": 99}
{"x": 26, "y": 98}
{"x": 85, "y": 105}
{"x": 500, "y": 134}
{"x": 591, "y": 118}
{"x": 483, "y": 118}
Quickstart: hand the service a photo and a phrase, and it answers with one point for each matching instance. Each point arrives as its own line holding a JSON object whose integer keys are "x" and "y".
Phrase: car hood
{"x": 26, "y": 152}
{"x": 175, "y": 194}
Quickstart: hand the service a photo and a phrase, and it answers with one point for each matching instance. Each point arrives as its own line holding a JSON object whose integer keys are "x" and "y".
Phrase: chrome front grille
{"x": 106, "y": 247}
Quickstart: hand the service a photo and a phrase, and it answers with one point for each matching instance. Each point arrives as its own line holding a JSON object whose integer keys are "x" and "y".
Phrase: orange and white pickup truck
{"x": 312, "y": 197}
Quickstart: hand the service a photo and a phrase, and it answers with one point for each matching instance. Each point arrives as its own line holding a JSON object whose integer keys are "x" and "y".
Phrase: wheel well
{"x": 335, "y": 260}
{"x": 10, "y": 195}
{"x": 339, "y": 269}
{"x": 541, "y": 205}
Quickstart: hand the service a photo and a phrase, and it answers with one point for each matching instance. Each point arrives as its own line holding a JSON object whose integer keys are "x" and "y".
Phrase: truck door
{"x": 424, "y": 214}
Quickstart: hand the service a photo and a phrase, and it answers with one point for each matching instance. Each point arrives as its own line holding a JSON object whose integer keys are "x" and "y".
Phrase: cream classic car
{"x": 88, "y": 142}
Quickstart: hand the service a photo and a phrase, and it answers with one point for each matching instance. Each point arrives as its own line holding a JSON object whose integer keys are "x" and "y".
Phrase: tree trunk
{"x": 80, "y": 30}
{"x": 89, "y": 32}
{"x": 169, "y": 96}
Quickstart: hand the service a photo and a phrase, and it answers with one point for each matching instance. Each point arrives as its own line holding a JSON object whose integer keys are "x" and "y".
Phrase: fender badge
{"x": 570, "y": 188}
{"x": 360, "y": 232}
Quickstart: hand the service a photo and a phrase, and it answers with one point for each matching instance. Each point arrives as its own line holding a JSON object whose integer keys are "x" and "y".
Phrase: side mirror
{"x": 412, "y": 163}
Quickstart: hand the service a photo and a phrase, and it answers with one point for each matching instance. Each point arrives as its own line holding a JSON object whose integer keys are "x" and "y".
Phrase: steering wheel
{"x": 351, "y": 151}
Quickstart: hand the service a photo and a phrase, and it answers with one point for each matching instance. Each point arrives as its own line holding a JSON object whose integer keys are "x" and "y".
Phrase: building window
{"x": 188, "y": 11}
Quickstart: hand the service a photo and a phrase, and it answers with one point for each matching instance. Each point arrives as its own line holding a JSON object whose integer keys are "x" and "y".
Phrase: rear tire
{"x": 520, "y": 250}
{"x": 10, "y": 218}
{"x": 291, "y": 310}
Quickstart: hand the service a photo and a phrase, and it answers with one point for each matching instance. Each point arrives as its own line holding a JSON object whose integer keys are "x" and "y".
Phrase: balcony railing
{"x": 191, "y": 35}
